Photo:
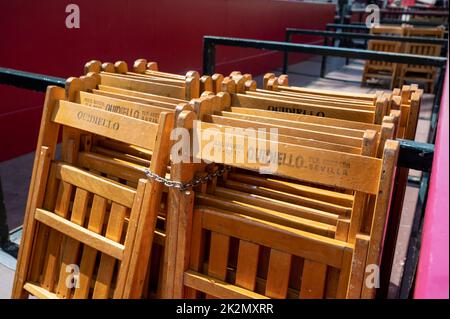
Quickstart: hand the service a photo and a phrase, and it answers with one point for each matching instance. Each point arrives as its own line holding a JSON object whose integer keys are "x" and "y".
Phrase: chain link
{"x": 195, "y": 182}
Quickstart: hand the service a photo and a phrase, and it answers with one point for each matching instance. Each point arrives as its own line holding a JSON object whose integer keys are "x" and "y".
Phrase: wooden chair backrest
{"x": 422, "y": 49}
{"x": 301, "y": 265}
{"x": 384, "y": 46}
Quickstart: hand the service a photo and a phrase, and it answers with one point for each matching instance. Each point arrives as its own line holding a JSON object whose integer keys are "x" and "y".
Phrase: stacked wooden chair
{"x": 114, "y": 204}
{"x": 399, "y": 74}
{"x": 419, "y": 73}
{"x": 251, "y": 250}
{"x": 402, "y": 104}
{"x": 380, "y": 69}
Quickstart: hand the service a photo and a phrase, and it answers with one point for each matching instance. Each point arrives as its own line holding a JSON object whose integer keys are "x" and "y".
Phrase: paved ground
{"x": 15, "y": 174}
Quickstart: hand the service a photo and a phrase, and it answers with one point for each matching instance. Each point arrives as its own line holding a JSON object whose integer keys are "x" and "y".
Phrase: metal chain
{"x": 182, "y": 187}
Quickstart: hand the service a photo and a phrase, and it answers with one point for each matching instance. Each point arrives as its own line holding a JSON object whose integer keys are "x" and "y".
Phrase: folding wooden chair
{"x": 368, "y": 144}
{"x": 188, "y": 258}
{"x": 77, "y": 217}
{"x": 420, "y": 73}
{"x": 380, "y": 69}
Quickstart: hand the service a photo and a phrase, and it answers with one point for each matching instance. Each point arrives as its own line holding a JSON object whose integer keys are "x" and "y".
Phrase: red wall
{"x": 34, "y": 38}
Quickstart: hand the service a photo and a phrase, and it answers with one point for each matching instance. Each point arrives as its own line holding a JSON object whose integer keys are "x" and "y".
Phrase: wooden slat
{"x": 243, "y": 100}
{"x": 126, "y": 148}
{"x": 291, "y": 209}
{"x": 318, "y": 97}
{"x": 112, "y": 166}
{"x": 168, "y": 106}
{"x": 297, "y": 124}
{"x": 81, "y": 234}
{"x": 43, "y": 232}
{"x": 41, "y": 167}
{"x": 151, "y": 205}
{"x": 217, "y": 288}
{"x": 295, "y": 161}
{"x": 358, "y": 267}
{"x": 313, "y": 280}
{"x": 218, "y": 255}
{"x": 299, "y": 132}
{"x": 141, "y": 95}
{"x": 287, "y": 197}
{"x": 130, "y": 238}
{"x": 107, "y": 262}
{"x": 337, "y": 198}
{"x": 277, "y": 217}
{"x": 247, "y": 265}
{"x": 106, "y": 124}
{"x": 39, "y": 292}
{"x": 365, "y": 96}
{"x": 71, "y": 246}
{"x": 312, "y": 100}
{"x": 136, "y": 110}
{"x": 278, "y": 274}
{"x": 51, "y": 266}
{"x": 344, "y": 274}
{"x": 307, "y": 118}
{"x": 89, "y": 256}
{"x": 381, "y": 210}
{"x": 143, "y": 86}
{"x": 149, "y": 78}
{"x": 115, "y": 191}
{"x": 119, "y": 154}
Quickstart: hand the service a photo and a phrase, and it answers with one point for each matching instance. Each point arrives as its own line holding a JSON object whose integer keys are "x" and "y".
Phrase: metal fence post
{"x": 285, "y": 58}
{"x": 412, "y": 256}
{"x": 5, "y": 244}
{"x": 323, "y": 65}
{"x": 209, "y": 57}
{"x": 4, "y": 232}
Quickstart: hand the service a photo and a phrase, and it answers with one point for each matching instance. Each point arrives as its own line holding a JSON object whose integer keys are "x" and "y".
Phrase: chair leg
{"x": 364, "y": 76}
{"x": 363, "y": 81}
{"x": 392, "y": 84}
{"x": 431, "y": 87}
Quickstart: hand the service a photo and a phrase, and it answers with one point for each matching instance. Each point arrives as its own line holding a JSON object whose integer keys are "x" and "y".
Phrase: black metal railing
{"x": 363, "y": 36}
{"x": 355, "y": 27}
{"x": 413, "y": 23}
{"x": 210, "y": 43}
{"x": 28, "y": 80}
{"x": 327, "y": 35}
